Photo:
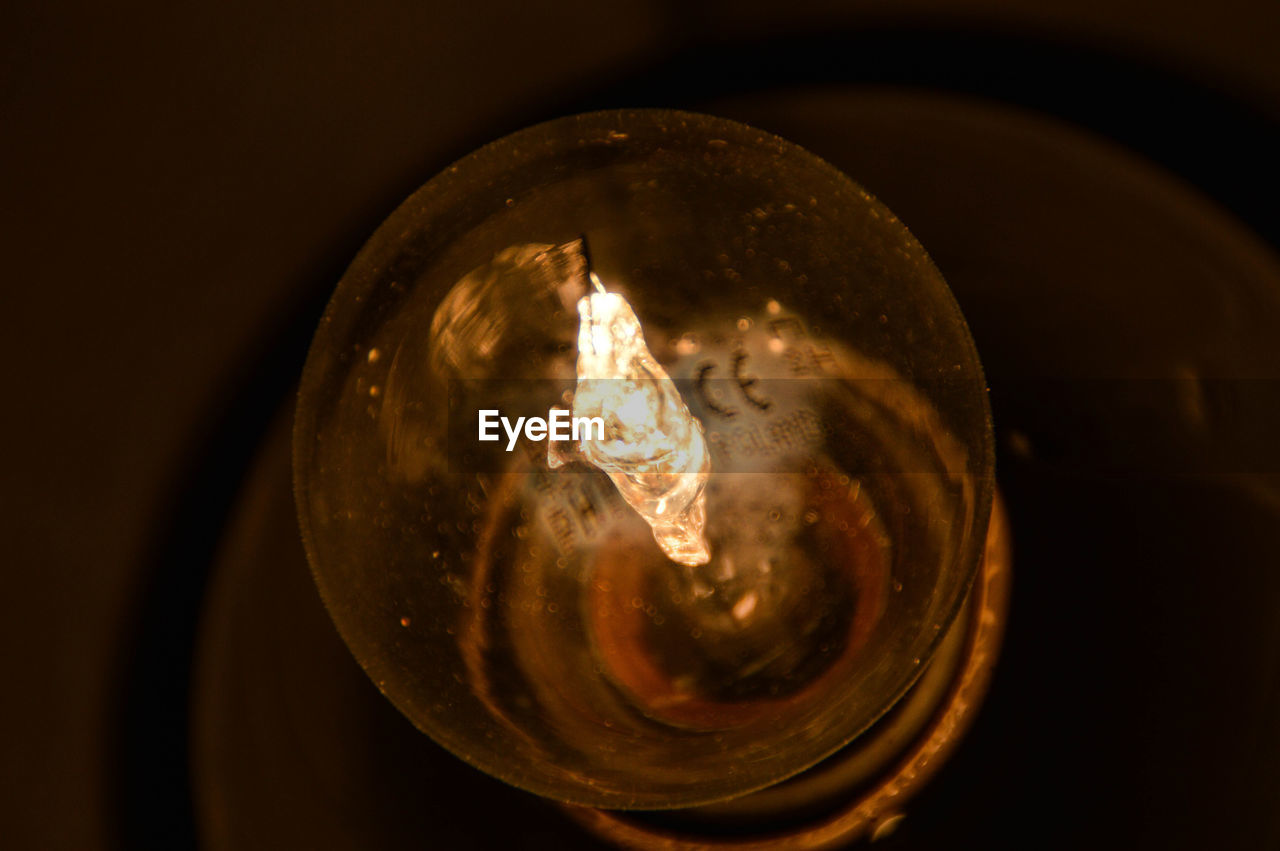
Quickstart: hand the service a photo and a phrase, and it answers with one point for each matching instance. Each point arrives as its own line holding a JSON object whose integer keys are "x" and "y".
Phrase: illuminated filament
{"x": 653, "y": 448}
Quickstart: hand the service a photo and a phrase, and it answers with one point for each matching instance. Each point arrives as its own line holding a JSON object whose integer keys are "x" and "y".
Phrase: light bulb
{"x": 755, "y": 551}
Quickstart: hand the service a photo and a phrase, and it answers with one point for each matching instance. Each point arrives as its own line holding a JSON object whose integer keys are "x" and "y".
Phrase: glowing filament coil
{"x": 653, "y": 448}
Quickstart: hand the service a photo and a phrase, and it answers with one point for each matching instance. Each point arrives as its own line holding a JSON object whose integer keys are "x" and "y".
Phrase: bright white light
{"x": 653, "y": 448}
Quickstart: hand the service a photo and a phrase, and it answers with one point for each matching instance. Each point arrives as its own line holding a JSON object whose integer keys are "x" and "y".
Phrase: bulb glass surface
{"x": 519, "y": 606}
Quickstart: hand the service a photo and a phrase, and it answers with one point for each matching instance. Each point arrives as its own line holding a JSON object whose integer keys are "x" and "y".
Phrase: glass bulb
{"x": 777, "y": 522}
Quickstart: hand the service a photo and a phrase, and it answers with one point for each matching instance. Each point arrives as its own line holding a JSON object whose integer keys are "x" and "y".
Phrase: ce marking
{"x": 746, "y": 383}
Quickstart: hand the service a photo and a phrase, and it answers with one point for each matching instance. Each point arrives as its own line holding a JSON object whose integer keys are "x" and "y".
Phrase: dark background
{"x": 183, "y": 185}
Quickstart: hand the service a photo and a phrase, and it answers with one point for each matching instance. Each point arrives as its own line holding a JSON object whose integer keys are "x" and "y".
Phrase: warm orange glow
{"x": 653, "y": 448}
